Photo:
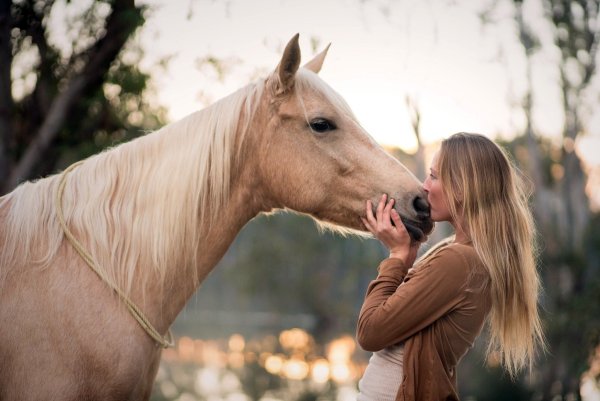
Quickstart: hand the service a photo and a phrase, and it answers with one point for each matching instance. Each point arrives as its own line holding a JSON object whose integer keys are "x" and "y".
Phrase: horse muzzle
{"x": 418, "y": 229}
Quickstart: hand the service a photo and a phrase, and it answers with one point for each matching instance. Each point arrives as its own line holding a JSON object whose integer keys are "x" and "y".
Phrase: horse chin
{"x": 418, "y": 231}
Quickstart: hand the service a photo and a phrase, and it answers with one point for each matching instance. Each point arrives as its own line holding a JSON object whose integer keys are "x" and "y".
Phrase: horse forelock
{"x": 138, "y": 208}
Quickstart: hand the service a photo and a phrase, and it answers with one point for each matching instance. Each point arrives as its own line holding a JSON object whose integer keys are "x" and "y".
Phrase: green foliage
{"x": 550, "y": 157}
{"x": 77, "y": 85}
{"x": 118, "y": 111}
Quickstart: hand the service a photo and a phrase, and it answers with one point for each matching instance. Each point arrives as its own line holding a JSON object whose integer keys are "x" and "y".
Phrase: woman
{"x": 419, "y": 320}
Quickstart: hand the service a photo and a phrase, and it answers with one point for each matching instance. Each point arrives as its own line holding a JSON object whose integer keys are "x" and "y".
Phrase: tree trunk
{"x": 121, "y": 23}
{"x": 415, "y": 116}
{"x": 6, "y": 100}
{"x": 577, "y": 211}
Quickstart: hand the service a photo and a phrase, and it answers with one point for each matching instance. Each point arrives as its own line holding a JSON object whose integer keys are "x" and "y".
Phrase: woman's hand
{"x": 393, "y": 236}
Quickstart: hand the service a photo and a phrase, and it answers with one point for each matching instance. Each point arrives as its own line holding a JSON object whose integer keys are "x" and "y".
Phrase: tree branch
{"x": 6, "y": 99}
{"x": 415, "y": 120}
{"x": 121, "y": 23}
{"x": 42, "y": 94}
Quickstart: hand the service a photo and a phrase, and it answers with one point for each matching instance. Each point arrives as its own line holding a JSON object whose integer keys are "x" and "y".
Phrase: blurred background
{"x": 276, "y": 318}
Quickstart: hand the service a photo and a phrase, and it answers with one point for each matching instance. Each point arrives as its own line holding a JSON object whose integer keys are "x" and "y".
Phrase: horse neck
{"x": 244, "y": 201}
{"x": 214, "y": 242}
{"x": 137, "y": 210}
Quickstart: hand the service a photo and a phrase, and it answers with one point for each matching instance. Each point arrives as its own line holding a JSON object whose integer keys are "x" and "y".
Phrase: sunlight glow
{"x": 274, "y": 364}
{"x": 462, "y": 74}
{"x": 320, "y": 371}
{"x": 340, "y": 373}
{"x": 340, "y": 350}
{"x": 237, "y": 343}
{"x": 375, "y": 60}
{"x": 294, "y": 339}
{"x": 295, "y": 369}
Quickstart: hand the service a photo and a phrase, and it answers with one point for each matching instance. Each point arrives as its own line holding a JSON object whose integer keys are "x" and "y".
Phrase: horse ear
{"x": 288, "y": 66}
{"x": 316, "y": 63}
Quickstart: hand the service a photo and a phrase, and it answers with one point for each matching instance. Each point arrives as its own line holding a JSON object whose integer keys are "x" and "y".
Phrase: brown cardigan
{"x": 436, "y": 309}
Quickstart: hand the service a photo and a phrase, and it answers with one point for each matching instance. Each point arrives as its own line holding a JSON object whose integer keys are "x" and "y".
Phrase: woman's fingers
{"x": 369, "y": 211}
{"x": 366, "y": 223}
{"x": 386, "y": 214}
{"x": 383, "y": 214}
{"x": 380, "y": 223}
{"x": 380, "y": 207}
{"x": 386, "y": 225}
{"x": 397, "y": 220}
{"x": 370, "y": 221}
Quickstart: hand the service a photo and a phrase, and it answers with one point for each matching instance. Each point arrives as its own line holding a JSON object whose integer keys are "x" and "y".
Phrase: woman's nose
{"x": 426, "y": 185}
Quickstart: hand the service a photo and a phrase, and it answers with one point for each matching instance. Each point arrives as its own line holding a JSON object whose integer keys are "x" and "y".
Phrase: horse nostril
{"x": 421, "y": 205}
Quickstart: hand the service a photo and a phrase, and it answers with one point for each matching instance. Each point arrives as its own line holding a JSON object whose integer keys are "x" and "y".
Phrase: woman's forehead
{"x": 434, "y": 160}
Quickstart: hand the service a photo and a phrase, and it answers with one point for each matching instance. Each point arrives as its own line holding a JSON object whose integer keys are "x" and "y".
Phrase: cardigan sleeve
{"x": 394, "y": 310}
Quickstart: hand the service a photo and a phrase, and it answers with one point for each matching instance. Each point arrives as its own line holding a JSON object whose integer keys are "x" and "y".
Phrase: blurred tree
{"x": 576, "y": 35}
{"x": 415, "y": 119}
{"x": 326, "y": 274}
{"x": 67, "y": 95}
{"x": 561, "y": 203}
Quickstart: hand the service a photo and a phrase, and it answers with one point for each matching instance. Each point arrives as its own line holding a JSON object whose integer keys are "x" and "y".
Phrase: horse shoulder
{"x": 70, "y": 336}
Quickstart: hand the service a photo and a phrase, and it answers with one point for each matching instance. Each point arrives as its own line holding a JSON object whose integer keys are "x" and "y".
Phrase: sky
{"x": 462, "y": 75}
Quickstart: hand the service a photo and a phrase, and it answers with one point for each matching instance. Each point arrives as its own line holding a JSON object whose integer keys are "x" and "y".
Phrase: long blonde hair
{"x": 485, "y": 191}
{"x": 138, "y": 207}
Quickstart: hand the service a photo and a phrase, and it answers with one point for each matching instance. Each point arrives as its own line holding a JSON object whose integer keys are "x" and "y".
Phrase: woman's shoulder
{"x": 456, "y": 256}
{"x": 465, "y": 250}
{"x": 453, "y": 266}
{"x": 461, "y": 266}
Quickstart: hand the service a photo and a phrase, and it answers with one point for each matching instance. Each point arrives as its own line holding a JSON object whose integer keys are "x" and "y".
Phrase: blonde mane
{"x": 108, "y": 200}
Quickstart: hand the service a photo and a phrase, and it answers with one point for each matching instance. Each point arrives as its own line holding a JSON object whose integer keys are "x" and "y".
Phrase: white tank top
{"x": 383, "y": 375}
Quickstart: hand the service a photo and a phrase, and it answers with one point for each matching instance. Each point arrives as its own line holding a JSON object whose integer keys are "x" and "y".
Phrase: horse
{"x": 156, "y": 214}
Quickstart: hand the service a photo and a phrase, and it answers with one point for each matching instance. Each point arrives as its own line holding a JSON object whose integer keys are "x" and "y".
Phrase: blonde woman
{"x": 420, "y": 318}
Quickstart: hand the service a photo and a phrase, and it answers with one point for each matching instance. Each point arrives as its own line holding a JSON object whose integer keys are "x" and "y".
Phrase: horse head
{"x": 316, "y": 159}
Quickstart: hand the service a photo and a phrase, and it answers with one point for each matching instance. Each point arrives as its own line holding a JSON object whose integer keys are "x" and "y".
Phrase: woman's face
{"x": 435, "y": 195}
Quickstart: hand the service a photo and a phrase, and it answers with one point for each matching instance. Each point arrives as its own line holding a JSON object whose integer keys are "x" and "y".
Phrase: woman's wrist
{"x": 399, "y": 255}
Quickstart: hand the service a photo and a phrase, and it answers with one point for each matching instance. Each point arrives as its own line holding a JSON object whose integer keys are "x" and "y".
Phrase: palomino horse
{"x": 156, "y": 214}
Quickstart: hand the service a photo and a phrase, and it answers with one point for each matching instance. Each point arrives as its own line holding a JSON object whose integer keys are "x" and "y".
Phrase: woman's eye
{"x": 321, "y": 125}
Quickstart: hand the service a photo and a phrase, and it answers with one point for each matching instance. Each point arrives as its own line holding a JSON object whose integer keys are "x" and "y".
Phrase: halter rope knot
{"x": 163, "y": 341}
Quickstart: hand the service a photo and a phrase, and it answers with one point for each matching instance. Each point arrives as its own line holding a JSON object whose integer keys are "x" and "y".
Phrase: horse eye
{"x": 321, "y": 125}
